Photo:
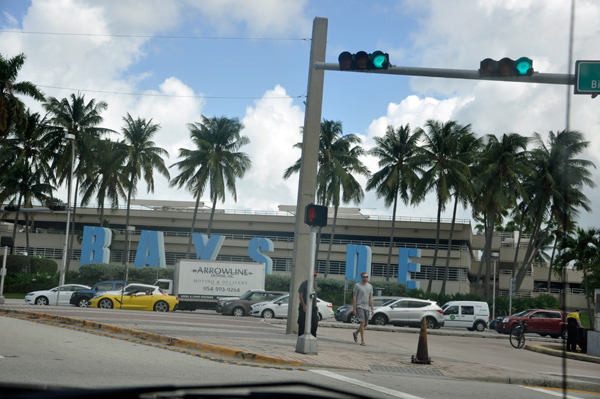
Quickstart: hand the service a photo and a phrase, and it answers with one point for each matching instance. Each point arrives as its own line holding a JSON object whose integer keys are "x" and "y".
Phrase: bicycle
{"x": 517, "y": 335}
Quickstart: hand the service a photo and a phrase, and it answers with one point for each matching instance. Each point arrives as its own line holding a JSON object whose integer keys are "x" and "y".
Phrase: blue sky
{"x": 189, "y": 74}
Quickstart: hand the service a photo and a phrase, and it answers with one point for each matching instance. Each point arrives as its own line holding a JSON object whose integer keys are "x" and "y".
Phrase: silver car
{"x": 409, "y": 312}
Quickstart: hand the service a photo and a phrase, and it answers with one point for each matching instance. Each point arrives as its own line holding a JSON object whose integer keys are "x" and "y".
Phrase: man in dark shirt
{"x": 304, "y": 298}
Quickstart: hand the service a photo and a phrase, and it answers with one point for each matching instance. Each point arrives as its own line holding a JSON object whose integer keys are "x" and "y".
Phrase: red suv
{"x": 541, "y": 321}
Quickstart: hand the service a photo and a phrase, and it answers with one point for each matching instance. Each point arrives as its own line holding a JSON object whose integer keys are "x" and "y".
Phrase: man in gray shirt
{"x": 362, "y": 301}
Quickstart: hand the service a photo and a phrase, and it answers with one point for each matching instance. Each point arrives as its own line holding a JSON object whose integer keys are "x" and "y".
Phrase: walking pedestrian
{"x": 362, "y": 301}
{"x": 573, "y": 323}
{"x": 304, "y": 295}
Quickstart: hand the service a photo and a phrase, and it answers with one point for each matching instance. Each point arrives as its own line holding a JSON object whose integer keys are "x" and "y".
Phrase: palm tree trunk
{"x": 335, "y": 213}
{"x": 389, "y": 261}
{"x": 16, "y": 226}
{"x": 317, "y": 246}
{"x": 551, "y": 264}
{"x": 126, "y": 243}
{"x": 189, "y": 247}
{"x": 102, "y": 214}
{"x": 212, "y": 214}
{"x": 485, "y": 231}
{"x": 587, "y": 298}
{"x": 437, "y": 244}
{"x": 492, "y": 221}
{"x": 514, "y": 267}
{"x": 70, "y": 249}
{"x": 27, "y": 243}
{"x": 447, "y": 268}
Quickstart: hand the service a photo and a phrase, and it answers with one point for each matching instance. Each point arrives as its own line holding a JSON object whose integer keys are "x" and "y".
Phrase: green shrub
{"x": 18, "y": 264}
{"x": 93, "y": 273}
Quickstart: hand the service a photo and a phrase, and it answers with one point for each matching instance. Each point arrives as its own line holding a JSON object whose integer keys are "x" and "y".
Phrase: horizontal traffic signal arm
{"x": 547, "y": 78}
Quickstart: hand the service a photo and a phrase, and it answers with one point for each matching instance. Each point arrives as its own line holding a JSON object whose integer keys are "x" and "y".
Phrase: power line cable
{"x": 155, "y": 36}
{"x": 169, "y": 95}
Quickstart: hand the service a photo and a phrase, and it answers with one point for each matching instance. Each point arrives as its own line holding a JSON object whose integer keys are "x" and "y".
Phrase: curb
{"x": 167, "y": 340}
{"x": 556, "y": 350}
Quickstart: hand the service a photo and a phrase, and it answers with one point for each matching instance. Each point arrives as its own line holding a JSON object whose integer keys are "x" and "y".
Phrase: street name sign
{"x": 587, "y": 77}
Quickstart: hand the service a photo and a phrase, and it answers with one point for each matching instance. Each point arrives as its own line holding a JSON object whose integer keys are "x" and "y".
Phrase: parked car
{"x": 135, "y": 297}
{"x": 472, "y": 315}
{"x": 278, "y": 308}
{"x": 219, "y": 308}
{"x": 494, "y": 323}
{"x": 81, "y": 298}
{"x": 241, "y": 307}
{"x": 541, "y": 321}
{"x": 346, "y": 313}
{"x": 48, "y": 297}
{"x": 409, "y": 312}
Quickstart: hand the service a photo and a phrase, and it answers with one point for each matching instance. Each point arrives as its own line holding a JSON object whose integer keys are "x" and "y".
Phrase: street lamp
{"x": 61, "y": 280}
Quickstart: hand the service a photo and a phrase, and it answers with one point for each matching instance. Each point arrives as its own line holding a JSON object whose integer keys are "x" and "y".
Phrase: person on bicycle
{"x": 573, "y": 323}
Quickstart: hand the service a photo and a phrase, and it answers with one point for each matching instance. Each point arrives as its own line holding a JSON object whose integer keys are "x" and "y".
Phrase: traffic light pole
{"x": 307, "y": 185}
{"x": 547, "y": 78}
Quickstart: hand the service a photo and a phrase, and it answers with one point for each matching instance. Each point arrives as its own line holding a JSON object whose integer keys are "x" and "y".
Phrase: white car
{"x": 278, "y": 308}
{"x": 49, "y": 297}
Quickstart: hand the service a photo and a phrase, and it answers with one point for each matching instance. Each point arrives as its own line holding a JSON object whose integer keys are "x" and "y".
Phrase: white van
{"x": 472, "y": 315}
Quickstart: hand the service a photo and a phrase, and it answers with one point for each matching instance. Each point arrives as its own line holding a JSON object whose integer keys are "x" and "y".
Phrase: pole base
{"x": 1, "y": 300}
{"x": 307, "y": 344}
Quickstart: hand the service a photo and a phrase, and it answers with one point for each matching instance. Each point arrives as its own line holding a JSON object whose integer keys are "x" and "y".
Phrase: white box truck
{"x": 200, "y": 283}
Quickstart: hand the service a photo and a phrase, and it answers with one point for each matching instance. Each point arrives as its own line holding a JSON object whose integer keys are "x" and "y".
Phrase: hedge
{"x": 18, "y": 264}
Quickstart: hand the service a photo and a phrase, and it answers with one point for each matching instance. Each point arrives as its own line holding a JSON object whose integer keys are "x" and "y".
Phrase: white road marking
{"x": 387, "y": 391}
{"x": 553, "y": 393}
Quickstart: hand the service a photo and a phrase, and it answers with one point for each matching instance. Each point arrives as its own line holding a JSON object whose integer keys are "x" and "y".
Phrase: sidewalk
{"x": 388, "y": 349}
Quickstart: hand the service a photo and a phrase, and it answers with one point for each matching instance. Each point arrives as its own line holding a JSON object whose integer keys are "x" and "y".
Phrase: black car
{"x": 81, "y": 298}
{"x": 494, "y": 322}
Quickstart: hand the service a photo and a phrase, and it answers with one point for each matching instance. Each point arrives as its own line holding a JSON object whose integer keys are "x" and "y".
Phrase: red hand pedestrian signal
{"x": 315, "y": 215}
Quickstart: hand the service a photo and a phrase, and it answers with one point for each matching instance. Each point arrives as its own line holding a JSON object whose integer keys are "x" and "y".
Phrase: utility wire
{"x": 154, "y": 36}
{"x": 169, "y": 95}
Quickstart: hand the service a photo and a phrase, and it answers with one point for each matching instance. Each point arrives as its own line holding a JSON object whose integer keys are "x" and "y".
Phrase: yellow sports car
{"x": 135, "y": 297}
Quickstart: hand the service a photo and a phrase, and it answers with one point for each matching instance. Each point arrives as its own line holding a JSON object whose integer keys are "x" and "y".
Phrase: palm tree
{"x": 215, "y": 163}
{"x": 502, "y": 166}
{"x": 440, "y": 155}
{"x": 140, "y": 158}
{"x": 25, "y": 145}
{"x": 557, "y": 188}
{"x": 337, "y": 161}
{"x": 81, "y": 120}
{"x": 23, "y": 183}
{"x": 397, "y": 152}
{"x": 107, "y": 179}
{"x": 583, "y": 251}
{"x": 466, "y": 150}
{"x": 11, "y": 108}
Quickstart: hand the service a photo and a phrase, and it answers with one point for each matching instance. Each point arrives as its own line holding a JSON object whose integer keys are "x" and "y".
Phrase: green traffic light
{"x": 523, "y": 65}
{"x": 378, "y": 59}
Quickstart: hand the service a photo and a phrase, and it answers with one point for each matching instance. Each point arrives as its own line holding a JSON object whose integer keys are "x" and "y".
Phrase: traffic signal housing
{"x": 506, "y": 67}
{"x": 12, "y": 208}
{"x": 315, "y": 215}
{"x": 363, "y": 61}
{"x": 57, "y": 207}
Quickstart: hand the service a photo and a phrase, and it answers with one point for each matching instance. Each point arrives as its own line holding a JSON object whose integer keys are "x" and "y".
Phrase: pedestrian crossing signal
{"x": 315, "y": 215}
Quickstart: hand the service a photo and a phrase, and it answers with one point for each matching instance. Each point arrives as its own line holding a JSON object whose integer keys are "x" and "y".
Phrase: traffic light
{"x": 315, "y": 215}
{"x": 12, "y": 208}
{"x": 363, "y": 61}
{"x": 506, "y": 67}
{"x": 57, "y": 207}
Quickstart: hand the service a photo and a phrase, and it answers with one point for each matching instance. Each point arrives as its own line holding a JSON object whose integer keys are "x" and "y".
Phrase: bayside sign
{"x": 151, "y": 252}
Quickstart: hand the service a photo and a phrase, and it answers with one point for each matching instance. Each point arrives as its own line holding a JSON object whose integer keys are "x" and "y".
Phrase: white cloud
{"x": 279, "y": 17}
